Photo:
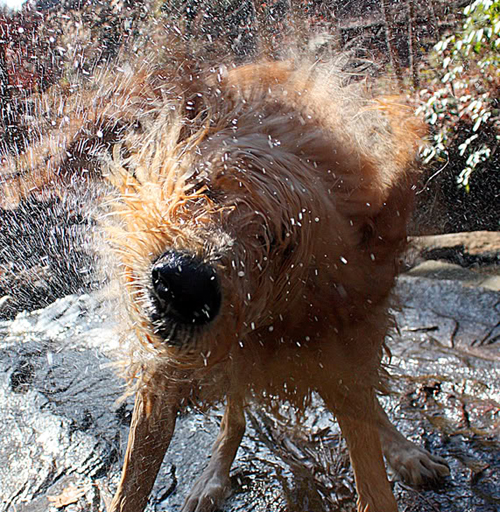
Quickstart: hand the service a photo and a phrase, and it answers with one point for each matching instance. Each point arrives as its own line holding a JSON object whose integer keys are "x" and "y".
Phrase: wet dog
{"x": 260, "y": 212}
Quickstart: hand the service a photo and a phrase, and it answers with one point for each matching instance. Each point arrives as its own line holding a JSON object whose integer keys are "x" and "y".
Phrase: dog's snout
{"x": 188, "y": 289}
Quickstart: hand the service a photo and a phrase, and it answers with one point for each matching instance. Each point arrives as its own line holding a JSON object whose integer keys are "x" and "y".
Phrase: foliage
{"x": 461, "y": 104}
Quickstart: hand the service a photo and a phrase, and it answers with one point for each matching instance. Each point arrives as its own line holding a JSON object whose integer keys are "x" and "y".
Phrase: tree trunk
{"x": 434, "y": 20}
{"x": 412, "y": 45}
{"x": 389, "y": 34}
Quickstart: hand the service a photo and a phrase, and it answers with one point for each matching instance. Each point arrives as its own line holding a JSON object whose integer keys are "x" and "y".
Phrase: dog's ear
{"x": 383, "y": 233}
{"x": 57, "y": 160}
{"x": 72, "y": 127}
{"x": 379, "y": 197}
{"x": 388, "y": 225}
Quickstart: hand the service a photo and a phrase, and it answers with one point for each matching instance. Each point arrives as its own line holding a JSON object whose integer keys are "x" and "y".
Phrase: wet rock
{"x": 64, "y": 432}
{"x": 58, "y": 396}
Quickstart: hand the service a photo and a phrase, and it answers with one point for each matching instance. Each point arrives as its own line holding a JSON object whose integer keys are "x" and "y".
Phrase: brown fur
{"x": 297, "y": 192}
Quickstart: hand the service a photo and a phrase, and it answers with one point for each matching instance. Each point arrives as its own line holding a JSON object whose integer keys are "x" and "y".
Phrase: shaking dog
{"x": 259, "y": 215}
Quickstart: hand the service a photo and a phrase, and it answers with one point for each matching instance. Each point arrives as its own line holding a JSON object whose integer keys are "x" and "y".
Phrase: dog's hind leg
{"x": 411, "y": 463}
{"x": 213, "y": 486}
{"x": 152, "y": 427}
{"x": 358, "y": 422}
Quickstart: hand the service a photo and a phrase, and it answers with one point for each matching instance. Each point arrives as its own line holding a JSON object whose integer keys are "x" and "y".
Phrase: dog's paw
{"x": 208, "y": 492}
{"x": 415, "y": 465}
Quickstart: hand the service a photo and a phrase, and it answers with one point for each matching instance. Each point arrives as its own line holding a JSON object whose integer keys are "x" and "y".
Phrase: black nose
{"x": 188, "y": 289}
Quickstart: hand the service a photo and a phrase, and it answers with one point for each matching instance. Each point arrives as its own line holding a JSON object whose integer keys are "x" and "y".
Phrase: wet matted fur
{"x": 258, "y": 215}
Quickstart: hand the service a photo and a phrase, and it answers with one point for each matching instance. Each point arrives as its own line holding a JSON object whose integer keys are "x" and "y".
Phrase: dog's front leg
{"x": 213, "y": 486}
{"x": 152, "y": 427}
{"x": 358, "y": 421}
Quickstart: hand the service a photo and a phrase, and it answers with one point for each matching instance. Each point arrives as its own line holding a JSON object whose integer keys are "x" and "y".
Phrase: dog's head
{"x": 251, "y": 194}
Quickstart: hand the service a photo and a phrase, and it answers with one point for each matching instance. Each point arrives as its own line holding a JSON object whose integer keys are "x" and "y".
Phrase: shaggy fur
{"x": 295, "y": 192}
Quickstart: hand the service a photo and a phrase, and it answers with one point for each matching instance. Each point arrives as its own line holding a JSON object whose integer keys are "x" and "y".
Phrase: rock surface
{"x": 64, "y": 431}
